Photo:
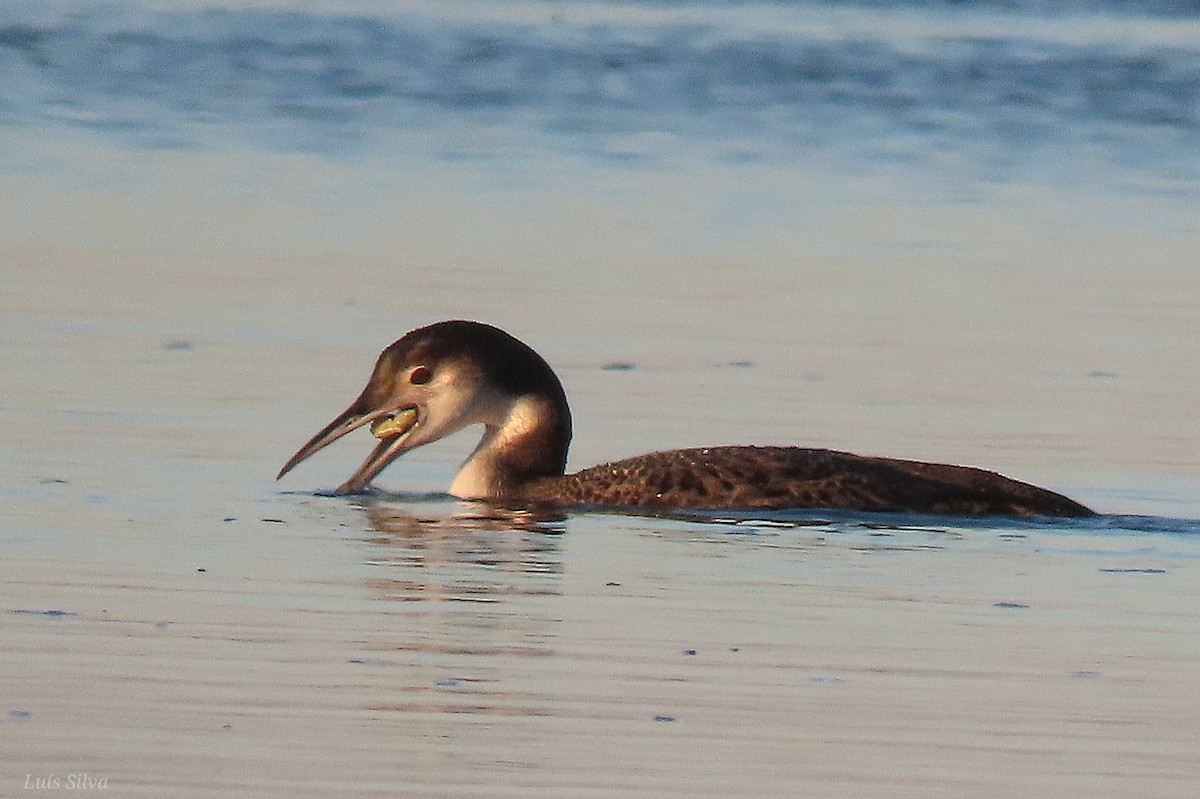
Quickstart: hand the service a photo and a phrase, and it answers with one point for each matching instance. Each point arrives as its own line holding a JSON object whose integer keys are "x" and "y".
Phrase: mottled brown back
{"x": 793, "y": 477}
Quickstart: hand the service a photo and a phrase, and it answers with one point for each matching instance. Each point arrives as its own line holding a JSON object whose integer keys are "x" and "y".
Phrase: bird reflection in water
{"x": 480, "y": 593}
{"x": 483, "y": 556}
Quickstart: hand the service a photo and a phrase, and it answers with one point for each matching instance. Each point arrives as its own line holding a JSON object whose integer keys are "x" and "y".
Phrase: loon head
{"x": 439, "y": 379}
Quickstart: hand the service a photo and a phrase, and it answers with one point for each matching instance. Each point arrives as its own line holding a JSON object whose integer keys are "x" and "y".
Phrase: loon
{"x": 439, "y": 379}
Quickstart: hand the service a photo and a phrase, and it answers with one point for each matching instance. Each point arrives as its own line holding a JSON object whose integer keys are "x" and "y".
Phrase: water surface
{"x": 958, "y": 232}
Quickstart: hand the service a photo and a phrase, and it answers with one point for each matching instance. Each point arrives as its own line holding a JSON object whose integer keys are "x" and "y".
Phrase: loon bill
{"x": 436, "y": 380}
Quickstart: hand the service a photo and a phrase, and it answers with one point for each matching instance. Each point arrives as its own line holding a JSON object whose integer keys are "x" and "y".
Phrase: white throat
{"x": 481, "y": 476}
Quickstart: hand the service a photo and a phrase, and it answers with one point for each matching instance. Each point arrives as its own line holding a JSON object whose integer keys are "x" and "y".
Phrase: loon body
{"x": 436, "y": 380}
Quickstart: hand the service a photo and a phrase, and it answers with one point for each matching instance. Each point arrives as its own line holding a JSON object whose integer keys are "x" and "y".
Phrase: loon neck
{"x": 526, "y": 441}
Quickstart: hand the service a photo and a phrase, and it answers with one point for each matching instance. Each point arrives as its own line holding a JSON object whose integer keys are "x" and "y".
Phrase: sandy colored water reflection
{"x": 175, "y": 323}
{"x": 433, "y": 652}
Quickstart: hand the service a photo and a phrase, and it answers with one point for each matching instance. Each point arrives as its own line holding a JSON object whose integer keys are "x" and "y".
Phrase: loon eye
{"x": 420, "y": 376}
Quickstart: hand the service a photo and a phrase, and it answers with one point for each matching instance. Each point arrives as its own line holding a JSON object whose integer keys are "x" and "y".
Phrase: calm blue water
{"x": 1102, "y": 94}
